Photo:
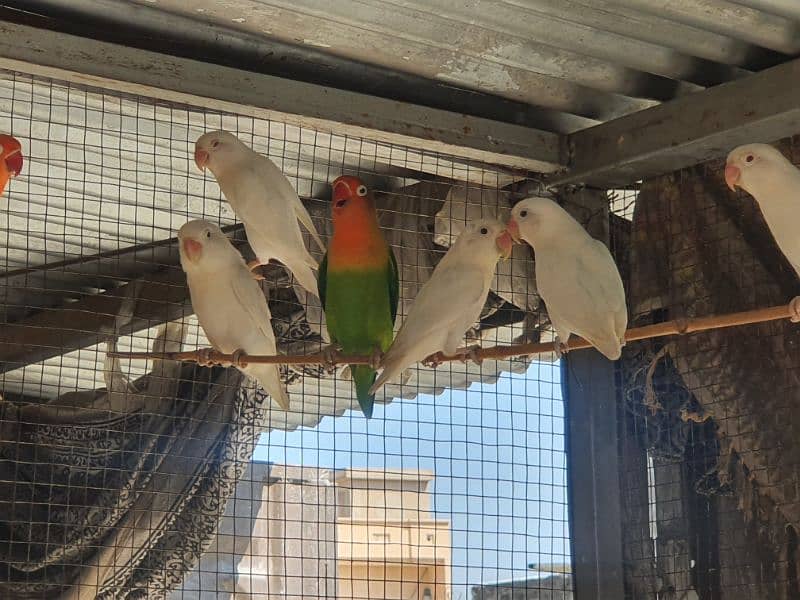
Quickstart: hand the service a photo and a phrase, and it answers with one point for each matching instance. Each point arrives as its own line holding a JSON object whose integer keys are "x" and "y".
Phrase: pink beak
{"x": 192, "y": 249}
{"x": 512, "y": 227}
{"x": 732, "y": 175}
{"x": 200, "y": 158}
{"x": 505, "y": 244}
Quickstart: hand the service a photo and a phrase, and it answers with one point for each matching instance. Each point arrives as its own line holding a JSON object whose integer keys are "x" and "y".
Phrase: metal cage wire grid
{"x": 116, "y": 475}
{"x": 707, "y": 423}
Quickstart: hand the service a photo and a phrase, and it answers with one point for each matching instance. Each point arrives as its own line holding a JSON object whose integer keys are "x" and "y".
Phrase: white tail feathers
{"x": 610, "y": 348}
{"x": 390, "y": 369}
{"x": 268, "y": 377}
{"x": 305, "y": 276}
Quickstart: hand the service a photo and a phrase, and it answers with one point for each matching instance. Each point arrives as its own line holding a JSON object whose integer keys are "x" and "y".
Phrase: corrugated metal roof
{"x": 577, "y": 62}
{"x": 106, "y": 172}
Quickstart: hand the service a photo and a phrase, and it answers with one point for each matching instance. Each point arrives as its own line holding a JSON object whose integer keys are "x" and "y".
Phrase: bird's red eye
{"x": 215, "y": 143}
{"x": 750, "y": 158}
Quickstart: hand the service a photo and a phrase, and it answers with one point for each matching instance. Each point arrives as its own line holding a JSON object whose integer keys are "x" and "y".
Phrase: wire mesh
{"x": 127, "y": 479}
{"x": 707, "y": 421}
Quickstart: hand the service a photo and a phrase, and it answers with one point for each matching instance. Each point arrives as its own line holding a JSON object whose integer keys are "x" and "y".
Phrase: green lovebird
{"x": 359, "y": 283}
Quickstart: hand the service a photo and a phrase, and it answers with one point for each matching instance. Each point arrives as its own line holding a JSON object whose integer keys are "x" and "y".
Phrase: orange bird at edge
{"x": 10, "y": 159}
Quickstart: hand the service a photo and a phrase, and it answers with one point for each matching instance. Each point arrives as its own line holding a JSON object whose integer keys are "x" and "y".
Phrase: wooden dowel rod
{"x": 676, "y": 327}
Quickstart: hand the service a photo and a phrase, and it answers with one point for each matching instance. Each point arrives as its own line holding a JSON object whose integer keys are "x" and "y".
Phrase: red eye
{"x": 750, "y": 158}
{"x": 215, "y": 143}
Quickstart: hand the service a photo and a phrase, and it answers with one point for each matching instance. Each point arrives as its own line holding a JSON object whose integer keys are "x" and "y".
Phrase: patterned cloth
{"x": 115, "y": 494}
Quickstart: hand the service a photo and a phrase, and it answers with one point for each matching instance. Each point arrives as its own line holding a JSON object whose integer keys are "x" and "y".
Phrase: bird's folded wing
{"x": 305, "y": 218}
{"x": 253, "y": 302}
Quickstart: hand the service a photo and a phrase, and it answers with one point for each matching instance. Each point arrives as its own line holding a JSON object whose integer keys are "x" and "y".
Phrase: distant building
{"x": 389, "y": 543}
{"x": 301, "y": 532}
{"x": 557, "y": 586}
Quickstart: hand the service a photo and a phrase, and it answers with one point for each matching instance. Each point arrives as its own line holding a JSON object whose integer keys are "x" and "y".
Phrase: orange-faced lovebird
{"x": 10, "y": 159}
{"x": 358, "y": 283}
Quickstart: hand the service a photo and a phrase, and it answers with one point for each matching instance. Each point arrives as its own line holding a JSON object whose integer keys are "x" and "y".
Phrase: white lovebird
{"x": 228, "y": 302}
{"x": 451, "y": 301}
{"x": 575, "y": 274}
{"x": 764, "y": 173}
{"x": 265, "y": 201}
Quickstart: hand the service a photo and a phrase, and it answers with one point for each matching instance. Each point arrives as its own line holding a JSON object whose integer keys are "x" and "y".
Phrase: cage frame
{"x": 645, "y": 143}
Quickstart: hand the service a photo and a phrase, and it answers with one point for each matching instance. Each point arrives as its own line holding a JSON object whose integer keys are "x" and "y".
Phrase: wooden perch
{"x": 789, "y": 311}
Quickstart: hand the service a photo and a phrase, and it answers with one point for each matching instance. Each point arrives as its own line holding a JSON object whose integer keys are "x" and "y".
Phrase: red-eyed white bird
{"x": 265, "y": 201}
{"x": 228, "y": 302}
{"x": 575, "y": 275}
{"x": 451, "y": 301}
{"x": 768, "y": 176}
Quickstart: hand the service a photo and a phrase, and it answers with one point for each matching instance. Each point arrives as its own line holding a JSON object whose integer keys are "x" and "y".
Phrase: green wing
{"x": 394, "y": 283}
{"x": 322, "y": 280}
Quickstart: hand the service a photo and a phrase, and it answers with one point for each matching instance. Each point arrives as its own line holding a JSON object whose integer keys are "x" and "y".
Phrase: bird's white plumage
{"x": 265, "y": 201}
{"x": 449, "y": 303}
{"x": 775, "y": 184}
{"x": 229, "y": 303}
{"x": 576, "y": 276}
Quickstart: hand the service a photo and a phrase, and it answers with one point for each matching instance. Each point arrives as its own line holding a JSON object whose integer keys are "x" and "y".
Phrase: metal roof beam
{"x": 158, "y": 292}
{"x": 762, "y": 107}
{"x": 175, "y": 79}
{"x": 52, "y": 332}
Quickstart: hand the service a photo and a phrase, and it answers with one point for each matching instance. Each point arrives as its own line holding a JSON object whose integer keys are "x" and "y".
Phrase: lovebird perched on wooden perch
{"x": 229, "y": 303}
{"x": 10, "y": 159}
{"x": 358, "y": 284}
{"x": 451, "y": 301}
{"x": 575, "y": 275}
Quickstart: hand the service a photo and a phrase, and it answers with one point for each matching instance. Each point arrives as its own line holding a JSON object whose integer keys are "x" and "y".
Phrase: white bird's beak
{"x": 192, "y": 249}
{"x": 201, "y": 158}
{"x": 732, "y": 176}
{"x": 505, "y": 244}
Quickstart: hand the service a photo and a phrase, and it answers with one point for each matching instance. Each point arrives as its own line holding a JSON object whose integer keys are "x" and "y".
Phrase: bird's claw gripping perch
{"x": 253, "y": 265}
{"x": 433, "y": 361}
{"x": 375, "y": 359}
{"x": 330, "y": 356}
{"x": 560, "y": 348}
{"x": 204, "y": 357}
{"x": 472, "y": 354}
{"x": 239, "y": 359}
{"x": 794, "y": 307}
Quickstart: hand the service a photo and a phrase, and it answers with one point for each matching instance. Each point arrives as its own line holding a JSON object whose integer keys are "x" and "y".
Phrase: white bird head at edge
{"x": 755, "y": 167}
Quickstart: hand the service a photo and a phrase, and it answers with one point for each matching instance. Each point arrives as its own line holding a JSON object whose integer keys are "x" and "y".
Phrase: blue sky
{"x": 498, "y": 454}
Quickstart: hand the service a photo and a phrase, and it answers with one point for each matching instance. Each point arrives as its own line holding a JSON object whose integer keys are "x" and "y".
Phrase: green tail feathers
{"x": 364, "y": 377}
